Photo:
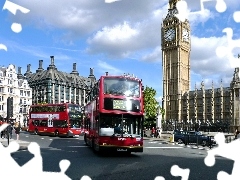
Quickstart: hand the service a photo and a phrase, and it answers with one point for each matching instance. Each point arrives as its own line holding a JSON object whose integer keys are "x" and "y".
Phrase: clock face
{"x": 169, "y": 34}
{"x": 185, "y": 35}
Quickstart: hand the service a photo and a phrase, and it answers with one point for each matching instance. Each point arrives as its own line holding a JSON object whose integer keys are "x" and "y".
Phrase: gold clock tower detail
{"x": 175, "y": 62}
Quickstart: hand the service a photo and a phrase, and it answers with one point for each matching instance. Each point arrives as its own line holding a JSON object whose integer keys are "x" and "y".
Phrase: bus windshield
{"x": 75, "y": 115}
{"x": 121, "y": 86}
{"x": 120, "y": 125}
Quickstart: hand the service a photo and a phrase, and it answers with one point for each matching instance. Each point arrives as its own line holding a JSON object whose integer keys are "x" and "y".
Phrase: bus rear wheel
{"x": 56, "y": 133}
{"x": 95, "y": 147}
{"x": 85, "y": 139}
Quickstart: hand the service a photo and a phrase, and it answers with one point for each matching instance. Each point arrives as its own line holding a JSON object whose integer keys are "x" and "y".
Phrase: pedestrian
{"x": 236, "y": 133}
{"x": 156, "y": 132}
{"x": 153, "y": 132}
{"x": 159, "y": 132}
{"x": 17, "y": 129}
{"x": 3, "y": 133}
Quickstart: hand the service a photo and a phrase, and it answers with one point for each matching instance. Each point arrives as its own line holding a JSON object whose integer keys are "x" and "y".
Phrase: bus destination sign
{"x": 119, "y": 104}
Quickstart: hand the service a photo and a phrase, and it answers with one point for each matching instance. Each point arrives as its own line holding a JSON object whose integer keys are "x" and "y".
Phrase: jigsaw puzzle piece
{"x": 182, "y": 10}
{"x": 222, "y": 51}
{"x": 159, "y": 178}
{"x": 5, "y": 156}
{"x": 64, "y": 165}
{"x": 236, "y": 16}
{"x": 3, "y": 47}
{"x": 12, "y": 7}
{"x": 224, "y": 176}
{"x": 221, "y": 6}
{"x": 36, "y": 163}
{"x": 177, "y": 171}
{"x": 85, "y": 178}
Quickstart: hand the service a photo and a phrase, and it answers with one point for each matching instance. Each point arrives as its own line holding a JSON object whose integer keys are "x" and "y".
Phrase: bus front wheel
{"x": 36, "y": 132}
{"x": 56, "y": 133}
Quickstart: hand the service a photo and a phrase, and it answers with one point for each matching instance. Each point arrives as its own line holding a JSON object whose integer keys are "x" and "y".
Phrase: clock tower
{"x": 175, "y": 36}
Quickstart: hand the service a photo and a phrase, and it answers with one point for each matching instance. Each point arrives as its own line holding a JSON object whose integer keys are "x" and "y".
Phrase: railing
{"x": 223, "y": 126}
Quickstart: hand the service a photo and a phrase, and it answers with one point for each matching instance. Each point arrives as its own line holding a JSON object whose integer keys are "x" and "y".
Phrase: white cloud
{"x": 119, "y": 33}
{"x": 204, "y": 59}
{"x": 155, "y": 55}
{"x": 105, "y": 67}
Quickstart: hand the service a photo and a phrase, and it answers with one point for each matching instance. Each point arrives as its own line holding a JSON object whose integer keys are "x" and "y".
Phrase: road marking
{"x": 77, "y": 146}
{"x": 50, "y": 139}
{"x": 42, "y": 138}
{"x": 163, "y": 147}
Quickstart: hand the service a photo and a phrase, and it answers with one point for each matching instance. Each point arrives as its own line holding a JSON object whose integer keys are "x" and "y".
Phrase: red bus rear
{"x": 114, "y": 115}
{"x": 55, "y": 119}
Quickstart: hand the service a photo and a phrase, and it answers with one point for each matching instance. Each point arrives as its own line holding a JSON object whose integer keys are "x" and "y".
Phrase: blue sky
{"x": 120, "y": 37}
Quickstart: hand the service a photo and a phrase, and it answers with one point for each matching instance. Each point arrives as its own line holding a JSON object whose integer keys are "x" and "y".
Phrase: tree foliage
{"x": 150, "y": 103}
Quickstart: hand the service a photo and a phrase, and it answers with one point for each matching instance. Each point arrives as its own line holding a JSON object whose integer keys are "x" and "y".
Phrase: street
{"x": 156, "y": 160}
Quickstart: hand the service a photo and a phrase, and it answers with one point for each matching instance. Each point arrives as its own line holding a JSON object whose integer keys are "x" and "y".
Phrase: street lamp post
{"x": 199, "y": 124}
{"x": 208, "y": 123}
{"x": 159, "y": 117}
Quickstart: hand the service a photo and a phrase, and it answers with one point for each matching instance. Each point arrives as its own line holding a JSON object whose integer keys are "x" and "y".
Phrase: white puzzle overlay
{"x": 35, "y": 166}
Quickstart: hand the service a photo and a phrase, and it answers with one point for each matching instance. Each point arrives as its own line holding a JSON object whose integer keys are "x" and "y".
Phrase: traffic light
{"x": 9, "y": 107}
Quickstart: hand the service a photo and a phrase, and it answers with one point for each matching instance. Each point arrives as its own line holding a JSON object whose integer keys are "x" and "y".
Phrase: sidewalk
{"x": 22, "y": 144}
{"x": 165, "y": 136}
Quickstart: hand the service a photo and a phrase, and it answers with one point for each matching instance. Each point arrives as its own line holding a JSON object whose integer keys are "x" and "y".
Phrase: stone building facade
{"x": 14, "y": 84}
{"x": 180, "y": 104}
{"x": 54, "y": 86}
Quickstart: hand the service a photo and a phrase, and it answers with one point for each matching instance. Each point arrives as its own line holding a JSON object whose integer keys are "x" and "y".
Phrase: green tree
{"x": 150, "y": 106}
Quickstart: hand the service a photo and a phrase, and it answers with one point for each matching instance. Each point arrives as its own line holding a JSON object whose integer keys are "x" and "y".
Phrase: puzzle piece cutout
{"x": 183, "y": 11}
{"x": 33, "y": 168}
{"x": 12, "y": 7}
{"x": 226, "y": 51}
{"x": 236, "y": 16}
{"x": 227, "y": 150}
{"x": 16, "y": 27}
{"x": 177, "y": 171}
{"x": 3, "y": 47}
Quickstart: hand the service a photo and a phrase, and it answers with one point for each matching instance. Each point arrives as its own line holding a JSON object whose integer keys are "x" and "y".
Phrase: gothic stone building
{"x": 53, "y": 86}
{"x": 179, "y": 102}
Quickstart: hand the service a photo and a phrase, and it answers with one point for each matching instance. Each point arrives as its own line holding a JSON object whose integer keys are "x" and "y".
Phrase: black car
{"x": 191, "y": 137}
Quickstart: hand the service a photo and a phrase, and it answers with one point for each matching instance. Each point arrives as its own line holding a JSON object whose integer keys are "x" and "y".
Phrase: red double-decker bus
{"x": 114, "y": 115}
{"x": 55, "y": 119}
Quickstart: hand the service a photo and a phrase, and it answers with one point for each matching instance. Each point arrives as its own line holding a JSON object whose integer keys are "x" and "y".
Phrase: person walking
{"x": 17, "y": 129}
{"x": 159, "y": 132}
{"x": 153, "y": 132}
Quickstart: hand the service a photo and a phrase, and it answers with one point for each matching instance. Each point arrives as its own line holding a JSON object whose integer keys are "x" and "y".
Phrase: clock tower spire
{"x": 175, "y": 37}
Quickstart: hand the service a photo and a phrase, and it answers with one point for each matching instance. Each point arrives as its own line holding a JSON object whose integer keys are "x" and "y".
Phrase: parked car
{"x": 191, "y": 137}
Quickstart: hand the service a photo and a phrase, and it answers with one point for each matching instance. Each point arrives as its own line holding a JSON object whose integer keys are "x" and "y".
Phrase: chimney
{"x": 28, "y": 70}
{"x": 52, "y": 65}
{"x": 19, "y": 74}
{"x": 74, "y": 66}
{"x": 74, "y": 71}
{"x": 91, "y": 71}
{"x": 52, "y": 60}
{"x": 19, "y": 70}
{"x": 40, "y": 66}
{"x": 91, "y": 74}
